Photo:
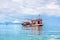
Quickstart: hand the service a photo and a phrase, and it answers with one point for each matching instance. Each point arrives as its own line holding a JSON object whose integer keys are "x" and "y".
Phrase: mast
{"x": 39, "y": 15}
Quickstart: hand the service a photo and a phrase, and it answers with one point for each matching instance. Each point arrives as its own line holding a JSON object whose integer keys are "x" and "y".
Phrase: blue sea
{"x": 49, "y": 31}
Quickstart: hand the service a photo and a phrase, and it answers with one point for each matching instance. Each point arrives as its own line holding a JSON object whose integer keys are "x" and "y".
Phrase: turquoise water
{"x": 19, "y": 32}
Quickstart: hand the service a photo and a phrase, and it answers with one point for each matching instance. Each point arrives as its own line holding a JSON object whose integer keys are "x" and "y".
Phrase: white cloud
{"x": 16, "y": 21}
{"x": 17, "y": 0}
{"x": 32, "y": 7}
{"x": 52, "y": 6}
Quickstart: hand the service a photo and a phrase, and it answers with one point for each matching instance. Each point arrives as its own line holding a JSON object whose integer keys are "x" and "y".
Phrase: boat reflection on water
{"x": 37, "y": 30}
{"x": 34, "y": 30}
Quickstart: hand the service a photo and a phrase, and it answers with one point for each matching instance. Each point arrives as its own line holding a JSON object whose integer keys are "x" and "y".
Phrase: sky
{"x": 12, "y": 9}
{"x": 32, "y": 7}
